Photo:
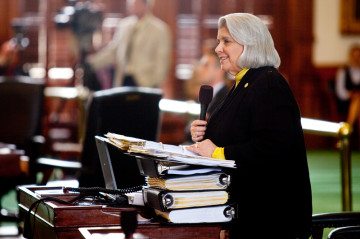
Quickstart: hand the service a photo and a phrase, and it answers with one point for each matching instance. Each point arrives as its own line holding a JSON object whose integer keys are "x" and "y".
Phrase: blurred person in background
{"x": 8, "y": 58}
{"x": 140, "y": 49}
{"x": 11, "y": 50}
{"x": 347, "y": 86}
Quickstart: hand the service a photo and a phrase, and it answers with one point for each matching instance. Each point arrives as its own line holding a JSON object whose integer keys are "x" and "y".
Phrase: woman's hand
{"x": 203, "y": 148}
{"x": 197, "y": 130}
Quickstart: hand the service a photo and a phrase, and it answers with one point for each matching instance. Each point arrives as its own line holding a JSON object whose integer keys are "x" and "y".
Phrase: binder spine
{"x": 161, "y": 169}
{"x": 156, "y": 199}
{"x": 229, "y": 212}
{"x": 148, "y": 167}
{"x": 167, "y": 200}
{"x": 224, "y": 180}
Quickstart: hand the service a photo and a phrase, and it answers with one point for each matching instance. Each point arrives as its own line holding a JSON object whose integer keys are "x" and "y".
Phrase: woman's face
{"x": 228, "y": 51}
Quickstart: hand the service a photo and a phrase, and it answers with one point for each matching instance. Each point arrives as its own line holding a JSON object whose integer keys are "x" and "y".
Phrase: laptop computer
{"x": 120, "y": 170}
{"x": 121, "y": 173}
{"x": 107, "y": 169}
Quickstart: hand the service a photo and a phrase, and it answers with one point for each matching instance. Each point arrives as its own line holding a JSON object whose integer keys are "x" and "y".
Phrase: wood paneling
{"x": 8, "y": 11}
{"x": 167, "y": 11}
{"x": 291, "y": 28}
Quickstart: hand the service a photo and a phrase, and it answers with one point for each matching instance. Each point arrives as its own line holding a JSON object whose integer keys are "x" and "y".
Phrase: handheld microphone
{"x": 205, "y": 97}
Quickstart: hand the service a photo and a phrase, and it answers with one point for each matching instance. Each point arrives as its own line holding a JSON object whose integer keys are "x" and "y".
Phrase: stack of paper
{"x": 172, "y": 153}
{"x": 182, "y": 186}
{"x": 124, "y": 142}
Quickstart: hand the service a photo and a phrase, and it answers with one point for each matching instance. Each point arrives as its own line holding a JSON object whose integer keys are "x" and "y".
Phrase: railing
{"x": 342, "y": 131}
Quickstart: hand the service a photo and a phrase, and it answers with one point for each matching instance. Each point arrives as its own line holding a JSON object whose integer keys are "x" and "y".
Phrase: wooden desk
{"x": 155, "y": 231}
{"x": 56, "y": 220}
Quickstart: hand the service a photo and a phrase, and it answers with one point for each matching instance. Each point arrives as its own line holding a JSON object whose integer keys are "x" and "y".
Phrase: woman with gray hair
{"x": 258, "y": 125}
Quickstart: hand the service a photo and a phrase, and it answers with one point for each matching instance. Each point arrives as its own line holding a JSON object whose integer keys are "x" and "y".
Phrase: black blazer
{"x": 218, "y": 98}
{"x": 259, "y": 126}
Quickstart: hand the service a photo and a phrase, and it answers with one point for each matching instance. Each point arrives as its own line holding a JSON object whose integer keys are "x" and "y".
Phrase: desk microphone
{"x": 205, "y": 97}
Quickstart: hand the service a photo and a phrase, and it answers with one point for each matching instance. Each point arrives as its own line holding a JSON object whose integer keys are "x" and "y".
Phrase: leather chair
{"x": 333, "y": 220}
{"x": 131, "y": 111}
{"x": 21, "y": 104}
{"x": 13, "y": 171}
{"x": 350, "y": 232}
{"x": 21, "y": 100}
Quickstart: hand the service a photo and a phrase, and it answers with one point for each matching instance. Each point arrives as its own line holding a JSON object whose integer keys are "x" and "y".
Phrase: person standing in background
{"x": 347, "y": 86}
{"x": 140, "y": 49}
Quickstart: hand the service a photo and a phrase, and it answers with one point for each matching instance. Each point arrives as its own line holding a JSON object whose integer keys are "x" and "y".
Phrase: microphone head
{"x": 205, "y": 94}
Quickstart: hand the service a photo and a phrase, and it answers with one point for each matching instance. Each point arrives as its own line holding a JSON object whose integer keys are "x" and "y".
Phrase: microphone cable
{"x": 96, "y": 190}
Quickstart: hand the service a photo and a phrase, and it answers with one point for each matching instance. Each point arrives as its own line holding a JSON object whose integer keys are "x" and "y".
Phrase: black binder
{"x": 165, "y": 200}
{"x": 151, "y": 168}
{"x": 155, "y": 167}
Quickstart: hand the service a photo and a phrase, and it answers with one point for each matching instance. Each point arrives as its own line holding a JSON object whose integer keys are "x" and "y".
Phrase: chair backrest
{"x": 350, "y": 232}
{"x": 131, "y": 111}
{"x": 21, "y": 100}
{"x": 333, "y": 220}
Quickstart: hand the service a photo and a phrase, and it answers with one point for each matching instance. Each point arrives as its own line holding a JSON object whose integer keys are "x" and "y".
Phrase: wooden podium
{"x": 58, "y": 220}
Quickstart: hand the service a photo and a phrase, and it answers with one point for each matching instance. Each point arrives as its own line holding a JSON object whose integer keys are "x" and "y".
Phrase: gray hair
{"x": 249, "y": 31}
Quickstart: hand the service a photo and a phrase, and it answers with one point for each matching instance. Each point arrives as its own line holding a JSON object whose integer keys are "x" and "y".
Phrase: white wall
{"x": 330, "y": 47}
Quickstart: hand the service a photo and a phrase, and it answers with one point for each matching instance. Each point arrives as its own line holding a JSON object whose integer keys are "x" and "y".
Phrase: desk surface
{"x": 57, "y": 220}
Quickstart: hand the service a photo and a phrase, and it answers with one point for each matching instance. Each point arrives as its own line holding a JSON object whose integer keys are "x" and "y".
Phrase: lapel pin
{"x": 246, "y": 85}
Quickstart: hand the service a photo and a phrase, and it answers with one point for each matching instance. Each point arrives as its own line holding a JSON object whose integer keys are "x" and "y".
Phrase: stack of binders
{"x": 194, "y": 198}
{"x": 181, "y": 187}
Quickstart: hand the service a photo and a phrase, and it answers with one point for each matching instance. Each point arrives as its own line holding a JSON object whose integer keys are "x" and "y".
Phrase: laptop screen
{"x": 119, "y": 169}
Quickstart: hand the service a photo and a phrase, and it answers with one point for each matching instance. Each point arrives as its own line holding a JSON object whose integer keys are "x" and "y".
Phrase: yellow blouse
{"x": 240, "y": 75}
